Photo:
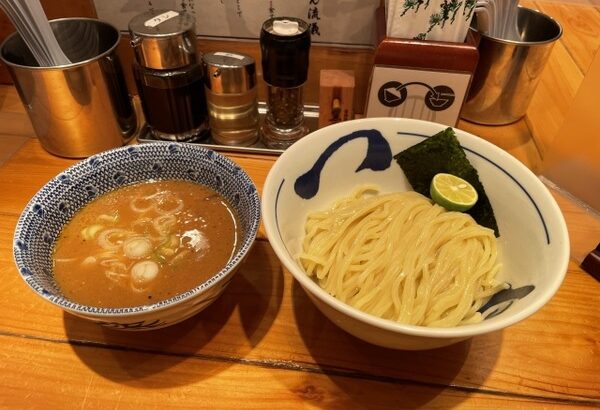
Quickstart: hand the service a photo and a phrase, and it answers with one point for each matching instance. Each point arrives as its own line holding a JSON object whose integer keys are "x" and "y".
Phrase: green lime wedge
{"x": 452, "y": 192}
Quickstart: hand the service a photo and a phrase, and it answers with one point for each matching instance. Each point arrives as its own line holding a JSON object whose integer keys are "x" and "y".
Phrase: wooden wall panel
{"x": 565, "y": 69}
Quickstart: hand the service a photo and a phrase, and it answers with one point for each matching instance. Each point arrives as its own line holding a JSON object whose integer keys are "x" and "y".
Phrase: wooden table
{"x": 264, "y": 345}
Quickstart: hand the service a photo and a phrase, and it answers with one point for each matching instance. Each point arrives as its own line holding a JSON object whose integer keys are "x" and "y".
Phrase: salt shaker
{"x": 168, "y": 76}
{"x": 285, "y": 46}
{"x": 230, "y": 86}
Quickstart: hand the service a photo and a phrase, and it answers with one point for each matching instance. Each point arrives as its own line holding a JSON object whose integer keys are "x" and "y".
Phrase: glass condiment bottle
{"x": 167, "y": 74}
{"x": 231, "y": 97}
{"x": 285, "y": 46}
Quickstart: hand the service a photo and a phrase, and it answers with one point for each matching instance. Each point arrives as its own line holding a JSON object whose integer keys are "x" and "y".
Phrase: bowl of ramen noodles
{"x": 412, "y": 235}
{"x": 139, "y": 237}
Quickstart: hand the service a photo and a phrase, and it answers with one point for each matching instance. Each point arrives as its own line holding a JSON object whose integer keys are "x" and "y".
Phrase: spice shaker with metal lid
{"x": 168, "y": 76}
{"x": 285, "y": 46}
{"x": 230, "y": 81}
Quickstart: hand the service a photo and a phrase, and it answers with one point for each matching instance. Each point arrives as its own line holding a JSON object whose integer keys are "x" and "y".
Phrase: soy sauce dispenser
{"x": 168, "y": 76}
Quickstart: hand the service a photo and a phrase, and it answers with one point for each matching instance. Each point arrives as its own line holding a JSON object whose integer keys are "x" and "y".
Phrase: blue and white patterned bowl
{"x": 54, "y": 205}
{"x": 329, "y": 163}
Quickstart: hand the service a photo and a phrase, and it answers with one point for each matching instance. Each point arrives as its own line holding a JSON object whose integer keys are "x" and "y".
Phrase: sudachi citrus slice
{"x": 452, "y": 192}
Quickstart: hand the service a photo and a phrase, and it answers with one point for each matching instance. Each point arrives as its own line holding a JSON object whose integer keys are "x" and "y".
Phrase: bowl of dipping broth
{"x": 139, "y": 237}
{"x": 348, "y": 212}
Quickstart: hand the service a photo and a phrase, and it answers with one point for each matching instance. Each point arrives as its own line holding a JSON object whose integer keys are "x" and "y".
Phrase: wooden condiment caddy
{"x": 426, "y": 80}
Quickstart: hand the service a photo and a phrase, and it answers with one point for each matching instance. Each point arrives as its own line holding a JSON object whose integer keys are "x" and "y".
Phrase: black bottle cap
{"x": 285, "y": 45}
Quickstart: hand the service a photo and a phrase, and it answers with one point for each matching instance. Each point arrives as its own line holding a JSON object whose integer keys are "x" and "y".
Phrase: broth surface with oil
{"x": 144, "y": 243}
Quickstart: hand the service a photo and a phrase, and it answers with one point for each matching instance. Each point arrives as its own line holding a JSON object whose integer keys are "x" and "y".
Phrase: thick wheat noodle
{"x": 400, "y": 257}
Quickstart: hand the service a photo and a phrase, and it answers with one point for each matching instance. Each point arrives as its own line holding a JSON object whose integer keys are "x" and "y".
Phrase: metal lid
{"x": 163, "y": 39}
{"x": 229, "y": 73}
{"x": 285, "y": 45}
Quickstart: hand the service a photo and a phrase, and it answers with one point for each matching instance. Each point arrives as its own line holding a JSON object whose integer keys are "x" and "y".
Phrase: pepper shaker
{"x": 168, "y": 76}
{"x": 232, "y": 101}
{"x": 285, "y": 46}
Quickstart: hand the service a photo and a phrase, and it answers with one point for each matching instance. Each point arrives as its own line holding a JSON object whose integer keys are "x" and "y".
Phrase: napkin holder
{"x": 426, "y": 80}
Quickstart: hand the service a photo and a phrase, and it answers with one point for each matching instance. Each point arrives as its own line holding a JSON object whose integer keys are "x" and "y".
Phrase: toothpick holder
{"x": 426, "y": 80}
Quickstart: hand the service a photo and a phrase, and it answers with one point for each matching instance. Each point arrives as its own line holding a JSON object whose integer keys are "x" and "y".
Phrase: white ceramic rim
{"x": 464, "y": 331}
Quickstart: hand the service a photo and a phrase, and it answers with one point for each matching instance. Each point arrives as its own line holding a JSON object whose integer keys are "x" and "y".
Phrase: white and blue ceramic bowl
{"x": 329, "y": 163}
{"x": 54, "y": 205}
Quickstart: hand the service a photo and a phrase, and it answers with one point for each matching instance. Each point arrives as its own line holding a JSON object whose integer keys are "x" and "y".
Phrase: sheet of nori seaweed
{"x": 442, "y": 153}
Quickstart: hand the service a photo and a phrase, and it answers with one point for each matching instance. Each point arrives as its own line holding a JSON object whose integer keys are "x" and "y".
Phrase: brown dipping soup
{"x": 144, "y": 243}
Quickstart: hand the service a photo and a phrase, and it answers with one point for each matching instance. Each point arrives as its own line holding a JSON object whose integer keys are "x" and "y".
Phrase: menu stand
{"x": 427, "y": 80}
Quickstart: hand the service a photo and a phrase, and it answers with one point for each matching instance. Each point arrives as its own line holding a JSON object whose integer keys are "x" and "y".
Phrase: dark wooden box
{"x": 439, "y": 72}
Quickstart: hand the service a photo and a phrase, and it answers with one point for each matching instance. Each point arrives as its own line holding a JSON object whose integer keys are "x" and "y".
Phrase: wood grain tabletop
{"x": 263, "y": 344}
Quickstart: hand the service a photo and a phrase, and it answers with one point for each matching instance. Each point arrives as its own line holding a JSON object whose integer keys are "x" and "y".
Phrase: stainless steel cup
{"x": 508, "y": 71}
{"x": 81, "y": 108}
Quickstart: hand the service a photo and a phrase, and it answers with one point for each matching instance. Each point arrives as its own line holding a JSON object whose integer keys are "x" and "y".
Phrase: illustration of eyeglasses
{"x": 437, "y": 98}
